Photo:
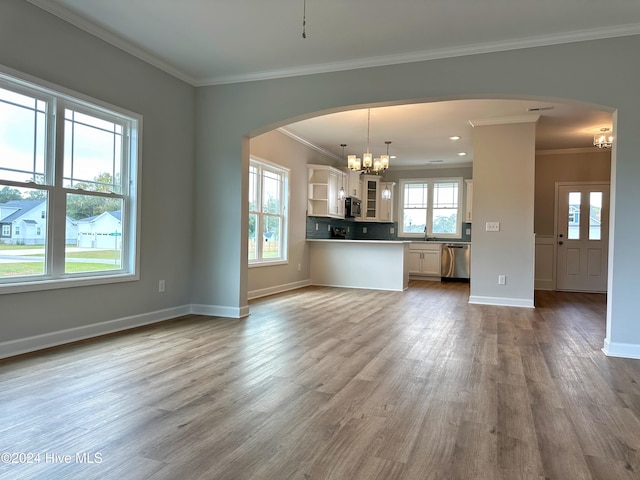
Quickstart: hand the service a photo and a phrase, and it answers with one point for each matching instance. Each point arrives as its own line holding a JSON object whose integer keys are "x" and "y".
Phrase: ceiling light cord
{"x": 304, "y": 18}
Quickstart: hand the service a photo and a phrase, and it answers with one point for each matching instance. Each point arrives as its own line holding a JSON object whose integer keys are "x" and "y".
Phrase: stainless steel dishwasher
{"x": 456, "y": 260}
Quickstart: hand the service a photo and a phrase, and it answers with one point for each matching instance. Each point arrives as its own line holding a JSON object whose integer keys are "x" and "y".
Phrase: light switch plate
{"x": 492, "y": 226}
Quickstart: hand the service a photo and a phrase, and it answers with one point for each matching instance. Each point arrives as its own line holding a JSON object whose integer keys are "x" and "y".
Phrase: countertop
{"x": 342, "y": 240}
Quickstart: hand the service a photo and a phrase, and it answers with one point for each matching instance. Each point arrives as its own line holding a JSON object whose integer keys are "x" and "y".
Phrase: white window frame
{"x": 60, "y": 98}
{"x": 264, "y": 165}
{"x": 430, "y": 182}
{"x": 6, "y": 230}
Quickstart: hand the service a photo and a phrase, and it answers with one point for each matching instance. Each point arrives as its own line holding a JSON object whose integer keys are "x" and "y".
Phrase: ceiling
{"x": 208, "y": 42}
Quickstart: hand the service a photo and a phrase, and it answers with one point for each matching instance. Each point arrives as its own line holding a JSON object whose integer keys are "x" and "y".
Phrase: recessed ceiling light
{"x": 462, "y": 154}
{"x": 393, "y": 156}
{"x": 455, "y": 137}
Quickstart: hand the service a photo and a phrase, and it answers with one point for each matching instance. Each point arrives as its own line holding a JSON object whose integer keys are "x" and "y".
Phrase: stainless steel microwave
{"x": 352, "y": 207}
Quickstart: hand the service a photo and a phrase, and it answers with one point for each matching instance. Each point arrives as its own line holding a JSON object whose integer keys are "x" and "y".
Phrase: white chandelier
{"x": 604, "y": 139}
{"x": 369, "y": 165}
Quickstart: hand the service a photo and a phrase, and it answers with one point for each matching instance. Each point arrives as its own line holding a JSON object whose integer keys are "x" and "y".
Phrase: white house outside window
{"x": 50, "y": 192}
{"x": 268, "y": 207}
{"x": 431, "y": 207}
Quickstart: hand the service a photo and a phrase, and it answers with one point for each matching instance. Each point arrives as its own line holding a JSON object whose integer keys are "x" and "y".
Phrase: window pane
{"x": 23, "y": 232}
{"x": 445, "y": 220}
{"x": 574, "y": 216}
{"x": 92, "y": 153}
{"x": 415, "y": 220}
{"x": 415, "y": 195}
{"x": 22, "y": 137}
{"x": 595, "y": 216}
{"x": 271, "y": 237}
{"x": 253, "y": 247}
{"x": 271, "y": 187}
{"x": 94, "y": 235}
{"x": 253, "y": 189}
{"x": 445, "y": 195}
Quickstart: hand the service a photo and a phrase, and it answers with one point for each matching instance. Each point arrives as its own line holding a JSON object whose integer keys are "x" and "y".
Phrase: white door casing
{"x": 582, "y": 236}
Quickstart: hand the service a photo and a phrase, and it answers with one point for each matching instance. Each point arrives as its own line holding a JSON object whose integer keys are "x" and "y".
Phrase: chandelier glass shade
{"x": 604, "y": 139}
{"x": 368, "y": 164}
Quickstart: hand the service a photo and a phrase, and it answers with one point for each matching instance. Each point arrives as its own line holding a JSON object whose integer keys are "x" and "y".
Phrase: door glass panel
{"x": 573, "y": 232}
{"x": 595, "y": 216}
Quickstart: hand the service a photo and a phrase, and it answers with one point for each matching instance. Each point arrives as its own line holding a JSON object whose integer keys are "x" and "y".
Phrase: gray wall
{"x": 226, "y": 113}
{"x": 39, "y": 44}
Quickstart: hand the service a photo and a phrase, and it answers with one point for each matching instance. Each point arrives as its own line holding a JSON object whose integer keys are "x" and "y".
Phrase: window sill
{"x": 268, "y": 264}
{"x": 40, "y": 285}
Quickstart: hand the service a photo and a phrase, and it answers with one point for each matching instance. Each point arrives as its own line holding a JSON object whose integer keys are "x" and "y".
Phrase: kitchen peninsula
{"x": 370, "y": 264}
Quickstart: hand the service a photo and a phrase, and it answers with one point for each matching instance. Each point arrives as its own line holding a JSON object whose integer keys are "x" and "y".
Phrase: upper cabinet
{"x": 370, "y": 189}
{"x": 323, "y": 192}
{"x": 354, "y": 185}
{"x": 468, "y": 217}
{"x": 385, "y": 201}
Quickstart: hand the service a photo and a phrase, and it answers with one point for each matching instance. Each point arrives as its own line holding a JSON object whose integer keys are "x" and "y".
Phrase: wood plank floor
{"x": 324, "y": 383}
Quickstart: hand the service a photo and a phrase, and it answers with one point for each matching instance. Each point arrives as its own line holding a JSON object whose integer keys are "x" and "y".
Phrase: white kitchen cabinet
{"x": 354, "y": 184}
{"x": 385, "y": 209}
{"x": 370, "y": 191}
{"x": 469, "y": 213}
{"x": 323, "y": 191}
{"x": 424, "y": 259}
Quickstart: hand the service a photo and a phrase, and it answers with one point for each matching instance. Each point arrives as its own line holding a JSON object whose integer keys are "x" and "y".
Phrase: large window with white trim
{"x": 68, "y": 188}
{"x": 431, "y": 207}
{"x": 268, "y": 212}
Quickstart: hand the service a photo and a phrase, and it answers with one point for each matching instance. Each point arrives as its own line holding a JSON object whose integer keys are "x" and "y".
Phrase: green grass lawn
{"x": 35, "y": 268}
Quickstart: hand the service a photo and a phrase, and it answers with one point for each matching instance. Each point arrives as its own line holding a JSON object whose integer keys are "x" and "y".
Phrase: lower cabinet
{"x": 424, "y": 259}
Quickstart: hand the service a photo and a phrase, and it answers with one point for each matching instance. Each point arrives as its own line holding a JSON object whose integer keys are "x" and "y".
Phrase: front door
{"x": 582, "y": 237}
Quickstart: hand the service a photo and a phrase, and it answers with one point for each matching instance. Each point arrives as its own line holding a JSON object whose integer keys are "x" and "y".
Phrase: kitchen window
{"x": 69, "y": 175}
{"x": 431, "y": 207}
{"x": 268, "y": 211}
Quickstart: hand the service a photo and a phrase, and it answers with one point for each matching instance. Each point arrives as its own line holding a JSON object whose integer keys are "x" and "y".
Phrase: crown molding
{"x": 504, "y": 120}
{"x": 111, "y": 38}
{"x": 352, "y": 64}
{"x": 573, "y": 151}
{"x": 490, "y": 47}
{"x": 307, "y": 143}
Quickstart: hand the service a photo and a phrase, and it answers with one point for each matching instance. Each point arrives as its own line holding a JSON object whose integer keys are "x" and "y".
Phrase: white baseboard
{"x": 219, "y": 311}
{"x": 54, "y": 339}
{"x": 263, "y": 292}
{"x": 623, "y": 350}
{"x": 501, "y": 302}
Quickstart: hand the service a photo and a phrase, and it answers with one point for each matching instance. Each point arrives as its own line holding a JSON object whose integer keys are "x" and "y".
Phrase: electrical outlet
{"x": 316, "y": 227}
{"x": 299, "y": 267}
{"x": 328, "y": 228}
{"x": 364, "y": 229}
{"x": 392, "y": 230}
{"x": 161, "y": 286}
{"x": 502, "y": 279}
{"x": 492, "y": 226}
{"x": 468, "y": 231}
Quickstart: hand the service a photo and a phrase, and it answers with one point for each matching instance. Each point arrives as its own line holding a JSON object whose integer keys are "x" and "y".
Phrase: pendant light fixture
{"x": 368, "y": 165}
{"x": 604, "y": 139}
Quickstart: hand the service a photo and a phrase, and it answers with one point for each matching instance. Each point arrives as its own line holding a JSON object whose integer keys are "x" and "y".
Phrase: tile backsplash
{"x": 324, "y": 227}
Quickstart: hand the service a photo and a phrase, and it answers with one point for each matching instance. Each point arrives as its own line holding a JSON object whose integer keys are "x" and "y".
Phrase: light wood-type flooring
{"x": 324, "y": 383}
